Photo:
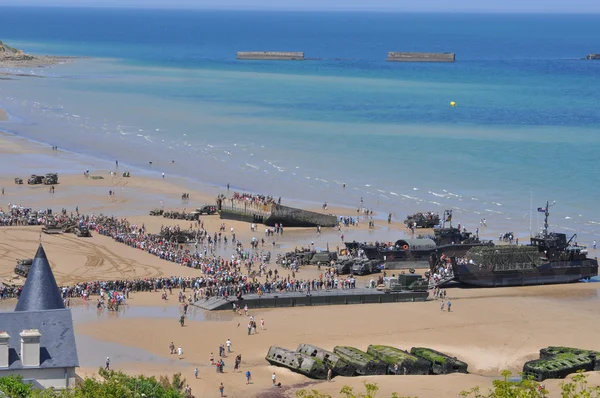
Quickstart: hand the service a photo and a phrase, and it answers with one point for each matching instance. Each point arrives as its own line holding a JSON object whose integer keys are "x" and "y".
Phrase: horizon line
{"x": 315, "y": 10}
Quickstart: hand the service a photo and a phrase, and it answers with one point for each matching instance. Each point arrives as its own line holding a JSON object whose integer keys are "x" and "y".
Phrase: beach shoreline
{"x": 491, "y": 329}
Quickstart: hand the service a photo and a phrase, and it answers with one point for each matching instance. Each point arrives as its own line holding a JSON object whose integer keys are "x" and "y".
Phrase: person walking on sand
{"x": 274, "y": 379}
{"x": 248, "y": 377}
{"x": 228, "y": 343}
{"x": 196, "y": 373}
{"x": 172, "y": 348}
{"x": 179, "y": 352}
{"x": 163, "y": 175}
{"x": 107, "y": 367}
{"x": 329, "y": 374}
{"x": 212, "y": 359}
{"x": 442, "y": 306}
{"x": 222, "y": 389}
{"x": 262, "y": 324}
{"x": 449, "y": 304}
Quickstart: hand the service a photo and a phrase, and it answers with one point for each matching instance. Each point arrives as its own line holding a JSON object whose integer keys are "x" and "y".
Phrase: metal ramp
{"x": 441, "y": 282}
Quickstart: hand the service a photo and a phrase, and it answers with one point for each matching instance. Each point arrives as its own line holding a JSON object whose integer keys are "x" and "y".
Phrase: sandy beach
{"x": 490, "y": 329}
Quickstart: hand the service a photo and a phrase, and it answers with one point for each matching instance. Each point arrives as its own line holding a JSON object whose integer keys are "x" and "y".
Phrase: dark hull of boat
{"x": 399, "y": 256}
{"x": 546, "y": 274}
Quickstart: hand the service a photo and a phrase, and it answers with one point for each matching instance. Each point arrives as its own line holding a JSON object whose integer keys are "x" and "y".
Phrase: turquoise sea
{"x": 164, "y": 85}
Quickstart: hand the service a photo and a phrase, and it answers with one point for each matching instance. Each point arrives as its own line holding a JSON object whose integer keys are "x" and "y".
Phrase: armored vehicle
{"x": 422, "y": 220}
{"x": 337, "y": 365}
{"x": 18, "y": 181}
{"x": 23, "y": 267}
{"x": 35, "y": 179}
{"x": 410, "y": 281}
{"x": 407, "y": 363}
{"x": 549, "y": 258}
{"x": 206, "y": 209}
{"x": 52, "y": 228}
{"x": 83, "y": 232}
{"x": 324, "y": 257}
{"x": 363, "y": 363}
{"x": 344, "y": 267}
{"x": 297, "y": 362}
{"x": 440, "y": 363}
{"x": 365, "y": 267}
{"x": 51, "y": 179}
{"x": 156, "y": 212}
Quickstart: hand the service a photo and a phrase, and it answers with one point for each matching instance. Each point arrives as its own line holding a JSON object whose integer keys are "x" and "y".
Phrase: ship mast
{"x": 546, "y": 219}
{"x": 547, "y": 213}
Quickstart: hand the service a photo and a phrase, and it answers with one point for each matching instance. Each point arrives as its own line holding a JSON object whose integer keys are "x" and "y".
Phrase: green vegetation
{"x": 111, "y": 384}
{"x": 8, "y": 48}
{"x": 577, "y": 387}
{"x": 371, "y": 390}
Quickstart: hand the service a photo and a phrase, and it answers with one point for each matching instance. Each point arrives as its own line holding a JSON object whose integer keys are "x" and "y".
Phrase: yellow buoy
{"x": 452, "y": 103}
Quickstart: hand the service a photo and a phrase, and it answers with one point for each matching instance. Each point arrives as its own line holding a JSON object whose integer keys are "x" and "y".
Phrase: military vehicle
{"x": 297, "y": 362}
{"x": 206, "y": 209}
{"x": 18, "y": 181}
{"x": 412, "y": 281}
{"x": 323, "y": 257}
{"x": 422, "y": 220}
{"x": 365, "y": 267}
{"x": 23, "y": 267}
{"x": 440, "y": 363}
{"x": 83, "y": 232}
{"x": 407, "y": 363}
{"x": 559, "y": 362}
{"x": 52, "y": 228}
{"x": 156, "y": 212}
{"x": 549, "y": 258}
{"x": 35, "y": 179}
{"x": 364, "y": 364}
{"x": 51, "y": 179}
{"x": 331, "y": 361}
{"x": 301, "y": 257}
{"x": 343, "y": 267}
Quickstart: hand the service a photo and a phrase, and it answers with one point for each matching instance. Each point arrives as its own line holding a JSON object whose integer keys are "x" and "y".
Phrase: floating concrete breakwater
{"x": 276, "y": 214}
{"x": 559, "y": 362}
{"x": 420, "y": 57}
{"x": 314, "y": 362}
{"x": 271, "y": 55}
{"x": 316, "y": 298}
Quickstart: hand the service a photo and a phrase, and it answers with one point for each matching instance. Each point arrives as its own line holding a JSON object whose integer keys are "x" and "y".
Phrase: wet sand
{"x": 490, "y": 329}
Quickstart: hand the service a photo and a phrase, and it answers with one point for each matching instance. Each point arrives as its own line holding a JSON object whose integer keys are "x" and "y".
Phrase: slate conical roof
{"x": 40, "y": 291}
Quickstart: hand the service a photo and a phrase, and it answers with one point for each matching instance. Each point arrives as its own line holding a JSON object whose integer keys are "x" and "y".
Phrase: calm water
{"x": 165, "y": 85}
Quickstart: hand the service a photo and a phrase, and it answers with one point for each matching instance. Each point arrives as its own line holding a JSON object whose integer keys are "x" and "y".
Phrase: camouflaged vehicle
{"x": 422, "y": 220}
{"x": 23, "y": 267}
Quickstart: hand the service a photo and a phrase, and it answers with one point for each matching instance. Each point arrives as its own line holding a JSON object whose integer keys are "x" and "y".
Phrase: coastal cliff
{"x": 13, "y": 54}
{"x": 14, "y": 57}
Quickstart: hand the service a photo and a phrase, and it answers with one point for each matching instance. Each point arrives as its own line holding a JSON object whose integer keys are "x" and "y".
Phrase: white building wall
{"x": 55, "y": 377}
